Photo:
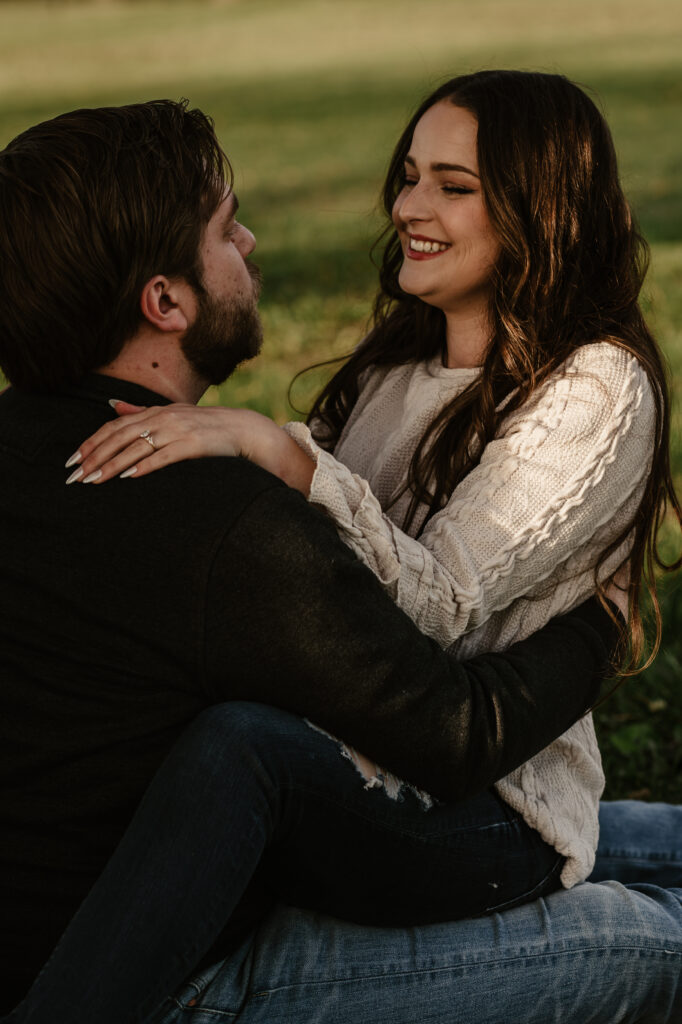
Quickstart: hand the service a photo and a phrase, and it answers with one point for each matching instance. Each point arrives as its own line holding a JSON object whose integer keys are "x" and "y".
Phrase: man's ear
{"x": 168, "y": 305}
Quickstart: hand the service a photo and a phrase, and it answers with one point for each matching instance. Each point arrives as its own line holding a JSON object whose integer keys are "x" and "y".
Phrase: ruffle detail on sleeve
{"x": 356, "y": 513}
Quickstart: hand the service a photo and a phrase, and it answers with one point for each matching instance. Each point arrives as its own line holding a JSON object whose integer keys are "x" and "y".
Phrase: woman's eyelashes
{"x": 447, "y": 188}
{"x": 456, "y": 190}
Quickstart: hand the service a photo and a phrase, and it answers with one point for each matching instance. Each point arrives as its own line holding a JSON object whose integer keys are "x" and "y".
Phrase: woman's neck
{"x": 467, "y": 336}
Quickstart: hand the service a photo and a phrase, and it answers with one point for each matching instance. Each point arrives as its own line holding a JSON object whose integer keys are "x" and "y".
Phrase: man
{"x": 126, "y": 610}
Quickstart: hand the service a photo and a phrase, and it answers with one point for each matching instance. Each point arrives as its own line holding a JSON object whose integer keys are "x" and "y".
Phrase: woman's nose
{"x": 413, "y": 204}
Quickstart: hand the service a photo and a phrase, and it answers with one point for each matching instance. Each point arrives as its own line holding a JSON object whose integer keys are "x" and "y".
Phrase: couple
{"x": 500, "y": 452}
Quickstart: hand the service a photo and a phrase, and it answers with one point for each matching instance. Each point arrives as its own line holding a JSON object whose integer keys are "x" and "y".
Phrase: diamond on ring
{"x": 146, "y": 436}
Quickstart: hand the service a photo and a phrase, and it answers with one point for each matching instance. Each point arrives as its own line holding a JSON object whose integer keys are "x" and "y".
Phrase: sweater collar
{"x": 98, "y": 388}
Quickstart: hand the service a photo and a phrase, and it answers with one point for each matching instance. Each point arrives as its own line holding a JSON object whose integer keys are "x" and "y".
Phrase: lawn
{"x": 309, "y": 97}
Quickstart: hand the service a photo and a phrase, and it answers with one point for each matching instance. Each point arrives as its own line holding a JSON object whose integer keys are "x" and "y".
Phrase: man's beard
{"x": 225, "y": 333}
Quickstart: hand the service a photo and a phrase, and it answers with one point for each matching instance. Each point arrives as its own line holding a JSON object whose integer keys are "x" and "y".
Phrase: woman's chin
{"x": 411, "y": 286}
{"x": 420, "y": 292}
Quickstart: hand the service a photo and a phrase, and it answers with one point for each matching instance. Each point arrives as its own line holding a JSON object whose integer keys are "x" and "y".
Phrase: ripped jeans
{"x": 253, "y": 806}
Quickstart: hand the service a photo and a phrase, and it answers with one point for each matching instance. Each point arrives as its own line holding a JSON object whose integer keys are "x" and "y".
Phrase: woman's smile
{"x": 420, "y": 247}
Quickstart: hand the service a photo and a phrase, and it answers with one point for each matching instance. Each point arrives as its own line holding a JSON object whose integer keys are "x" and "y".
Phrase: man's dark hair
{"x": 92, "y": 205}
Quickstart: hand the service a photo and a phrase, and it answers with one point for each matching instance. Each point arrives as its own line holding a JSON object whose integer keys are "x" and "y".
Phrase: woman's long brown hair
{"x": 569, "y": 273}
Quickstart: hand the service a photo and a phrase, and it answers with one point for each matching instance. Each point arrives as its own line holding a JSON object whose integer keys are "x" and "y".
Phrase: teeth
{"x": 418, "y": 245}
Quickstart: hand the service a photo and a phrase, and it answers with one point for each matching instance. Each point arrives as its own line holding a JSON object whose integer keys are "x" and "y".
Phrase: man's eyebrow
{"x": 234, "y": 206}
{"x": 443, "y": 166}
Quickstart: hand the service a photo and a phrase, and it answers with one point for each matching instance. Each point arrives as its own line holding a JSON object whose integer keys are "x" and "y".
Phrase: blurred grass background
{"x": 309, "y": 97}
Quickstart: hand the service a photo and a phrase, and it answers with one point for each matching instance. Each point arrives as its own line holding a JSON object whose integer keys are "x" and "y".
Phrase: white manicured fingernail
{"x": 91, "y": 477}
{"x": 76, "y": 475}
{"x": 113, "y": 402}
{"x": 76, "y": 457}
{"x": 128, "y": 472}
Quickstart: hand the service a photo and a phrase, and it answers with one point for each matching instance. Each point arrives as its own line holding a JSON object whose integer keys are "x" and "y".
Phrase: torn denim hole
{"x": 376, "y": 777}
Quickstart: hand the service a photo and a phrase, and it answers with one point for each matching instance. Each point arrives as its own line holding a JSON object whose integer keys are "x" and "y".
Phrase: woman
{"x": 499, "y": 439}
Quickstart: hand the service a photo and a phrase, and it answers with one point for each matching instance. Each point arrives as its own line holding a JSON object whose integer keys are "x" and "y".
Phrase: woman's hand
{"x": 145, "y": 439}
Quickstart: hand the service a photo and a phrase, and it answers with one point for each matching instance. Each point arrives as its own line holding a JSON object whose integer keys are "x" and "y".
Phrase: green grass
{"x": 309, "y": 97}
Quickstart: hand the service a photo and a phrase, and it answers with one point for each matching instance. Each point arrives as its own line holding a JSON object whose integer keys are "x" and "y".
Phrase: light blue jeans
{"x": 605, "y": 952}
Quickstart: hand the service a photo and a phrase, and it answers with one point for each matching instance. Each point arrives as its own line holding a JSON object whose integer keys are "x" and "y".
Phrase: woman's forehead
{"x": 446, "y": 134}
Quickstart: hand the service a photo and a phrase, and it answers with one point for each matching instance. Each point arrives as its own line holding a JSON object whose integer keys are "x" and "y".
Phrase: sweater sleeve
{"x": 546, "y": 489}
{"x": 311, "y": 630}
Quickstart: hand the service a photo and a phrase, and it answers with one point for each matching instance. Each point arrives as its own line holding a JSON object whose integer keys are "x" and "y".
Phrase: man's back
{"x": 102, "y": 619}
{"x": 128, "y": 607}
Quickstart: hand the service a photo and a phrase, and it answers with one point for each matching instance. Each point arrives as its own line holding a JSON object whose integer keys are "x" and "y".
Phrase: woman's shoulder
{"x": 617, "y": 368}
{"x": 602, "y": 372}
{"x": 607, "y": 372}
{"x": 600, "y": 389}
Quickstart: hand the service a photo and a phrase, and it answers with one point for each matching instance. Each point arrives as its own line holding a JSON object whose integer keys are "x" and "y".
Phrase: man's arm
{"x": 294, "y": 620}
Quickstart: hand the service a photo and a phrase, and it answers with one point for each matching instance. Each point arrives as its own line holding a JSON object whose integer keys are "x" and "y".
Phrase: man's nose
{"x": 247, "y": 241}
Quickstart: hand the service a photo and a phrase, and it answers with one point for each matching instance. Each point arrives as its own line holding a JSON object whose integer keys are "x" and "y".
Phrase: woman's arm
{"x": 560, "y": 482}
{"x": 551, "y": 491}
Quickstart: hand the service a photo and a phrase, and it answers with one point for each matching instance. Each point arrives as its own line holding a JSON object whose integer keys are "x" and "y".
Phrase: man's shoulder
{"x": 201, "y": 498}
{"x": 212, "y": 492}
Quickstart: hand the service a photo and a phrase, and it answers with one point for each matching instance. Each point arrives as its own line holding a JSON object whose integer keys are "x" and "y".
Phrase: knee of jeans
{"x": 237, "y": 725}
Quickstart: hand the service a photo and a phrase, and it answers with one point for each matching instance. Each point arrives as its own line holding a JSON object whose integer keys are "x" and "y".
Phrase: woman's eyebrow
{"x": 443, "y": 167}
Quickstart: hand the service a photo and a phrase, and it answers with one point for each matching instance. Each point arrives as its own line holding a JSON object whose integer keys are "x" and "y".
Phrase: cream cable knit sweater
{"x": 517, "y": 542}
